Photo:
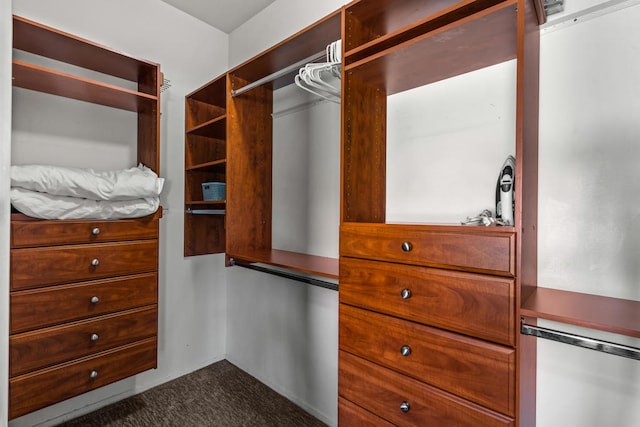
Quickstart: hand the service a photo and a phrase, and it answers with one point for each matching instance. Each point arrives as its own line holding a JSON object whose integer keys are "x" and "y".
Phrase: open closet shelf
{"x": 602, "y": 313}
{"x": 310, "y": 264}
{"x": 208, "y": 166}
{"x": 33, "y": 77}
{"x": 140, "y": 93}
{"x": 382, "y": 27}
{"x": 464, "y": 45}
{"x": 214, "y": 128}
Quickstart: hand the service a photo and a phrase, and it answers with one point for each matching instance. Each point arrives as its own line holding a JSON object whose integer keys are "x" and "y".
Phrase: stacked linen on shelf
{"x": 55, "y": 192}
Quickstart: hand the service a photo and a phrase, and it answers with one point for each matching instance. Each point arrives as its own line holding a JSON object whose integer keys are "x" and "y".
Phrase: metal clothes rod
{"x": 288, "y": 275}
{"x": 277, "y": 74}
{"x": 206, "y": 211}
{"x": 581, "y": 341}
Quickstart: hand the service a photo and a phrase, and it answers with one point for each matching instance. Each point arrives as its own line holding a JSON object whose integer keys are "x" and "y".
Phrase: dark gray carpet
{"x": 218, "y": 395}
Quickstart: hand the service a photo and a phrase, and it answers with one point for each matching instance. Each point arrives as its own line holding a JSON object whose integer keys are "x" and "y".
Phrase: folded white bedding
{"x": 50, "y": 206}
{"x": 127, "y": 184}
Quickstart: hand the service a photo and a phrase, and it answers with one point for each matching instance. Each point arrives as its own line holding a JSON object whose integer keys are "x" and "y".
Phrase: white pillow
{"x": 127, "y": 184}
{"x": 48, "y": 206}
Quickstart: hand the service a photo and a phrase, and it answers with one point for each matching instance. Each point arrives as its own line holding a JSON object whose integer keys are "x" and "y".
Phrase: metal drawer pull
{"x": 404, "y": 407}
{"x": 405, "y": 350}
{"x": 95, "y": 231}
{"x": 405, "y": 294}
{"x": 93, "y": 374}
{"x": 407, "y": 246}
{"x": 95, "y": 262}
{"x": 94, "y": 337}
{"x": 94, "y": 300}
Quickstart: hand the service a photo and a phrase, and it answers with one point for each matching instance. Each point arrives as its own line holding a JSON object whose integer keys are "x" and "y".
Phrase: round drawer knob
{"x": 95, "y": 262}
{"x": 94, "y": 337}
{"x": 93, "y": 374}
{"x": 404, "y": 407}
{"x": 407, "y": 246}
{"x": 405, "y": 293}
{"x": 94, "y": 300}
{"x": 405, "y": 350}
{"x": 95, "y": 231}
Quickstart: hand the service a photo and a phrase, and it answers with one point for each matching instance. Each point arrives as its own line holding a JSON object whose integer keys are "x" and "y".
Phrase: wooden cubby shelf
{"x": 214, "y": 128}
{"x": 615, "y": 315}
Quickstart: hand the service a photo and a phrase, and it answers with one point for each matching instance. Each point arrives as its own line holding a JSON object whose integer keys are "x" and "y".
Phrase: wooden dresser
{"x": 83, "y": 293}
{"x": 83, "y": 306}
{"x": 436, "y": 344}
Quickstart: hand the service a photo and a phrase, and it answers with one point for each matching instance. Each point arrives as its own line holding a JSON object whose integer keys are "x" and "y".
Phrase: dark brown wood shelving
{"x": 33, "y": 77}
{"x": 619, "y": 316}
{"x": 304, "y": 263}
{"x": 213, "y": 165}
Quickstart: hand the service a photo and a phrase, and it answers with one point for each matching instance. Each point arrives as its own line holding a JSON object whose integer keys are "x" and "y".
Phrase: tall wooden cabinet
{"x": 83, "y": 293}
{"x": 430, "y": 313}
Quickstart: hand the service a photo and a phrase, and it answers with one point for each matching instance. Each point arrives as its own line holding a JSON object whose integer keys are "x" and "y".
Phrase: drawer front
{"x": 350, "y": 414}
{"x": 383, "y": 392}
{"x": 38, "y": 308}
{"x": 36, "y": 390}
{"x": 458, "y": 248}
{"x": 30, "y": 232}
{"x": 476, "y": 370}
{"x": 35, "y": 267}
{"x": 45, "y": 347}
{"x": 473, "y": 304}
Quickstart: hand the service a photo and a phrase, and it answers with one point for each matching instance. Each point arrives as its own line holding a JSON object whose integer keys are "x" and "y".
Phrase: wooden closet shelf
{"x": 296, "y": 261}
{"x": 487, "y": 38}
{"x": 619, "y": 316}
{"x": 399, "y": 26}
{"x": 208, "y": 166}
{"x": 215, "y": 128}
{"x": 36, "y": 38}
{"x": 34, "y": 77}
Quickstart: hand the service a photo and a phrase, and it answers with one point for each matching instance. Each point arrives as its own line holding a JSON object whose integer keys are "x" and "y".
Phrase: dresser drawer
{"x": 35, "y": 267}
{"x": 383, "y": 392}
{"x": 48, "y": 386}
{"x": 473, "y": 304}
{"x": 29, "y": 232}
{"x": 350, "y": 414}
{"x": 49, "y": 346}
{"x": 37, "y": 308}
{"x": 476, "y": 370}
{"x": 482, "y": 250}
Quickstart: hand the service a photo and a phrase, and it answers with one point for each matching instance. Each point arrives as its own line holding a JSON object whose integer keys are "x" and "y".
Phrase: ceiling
{"x": 225, "y": 15}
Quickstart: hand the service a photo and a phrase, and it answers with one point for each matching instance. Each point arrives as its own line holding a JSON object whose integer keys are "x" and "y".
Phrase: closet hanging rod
{"x": 290, "y": 275}
{"x": 278, "y": 74}
{"x": 206, "y": 211}
{"x": 581, "y": 341}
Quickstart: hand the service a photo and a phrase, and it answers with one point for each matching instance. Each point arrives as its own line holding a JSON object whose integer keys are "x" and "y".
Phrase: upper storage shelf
{"x": 376, "y": 25}
{"x": 37, "y": 39}
{"x": 99, "y": 75}
{"x": 464, "y": 37}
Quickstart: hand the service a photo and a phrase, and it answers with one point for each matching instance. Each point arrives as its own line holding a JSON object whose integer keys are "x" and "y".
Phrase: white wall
{"x": 5, "y": 163}
{"x": 192, "y": 307}
{"x": 589, "y": 210}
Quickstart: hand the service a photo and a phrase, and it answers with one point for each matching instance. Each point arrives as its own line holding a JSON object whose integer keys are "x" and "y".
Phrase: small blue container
{"x": 214, "y": 191}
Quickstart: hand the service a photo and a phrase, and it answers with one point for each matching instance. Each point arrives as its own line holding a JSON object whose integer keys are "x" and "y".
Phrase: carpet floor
{"x": 218, "y": 395}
